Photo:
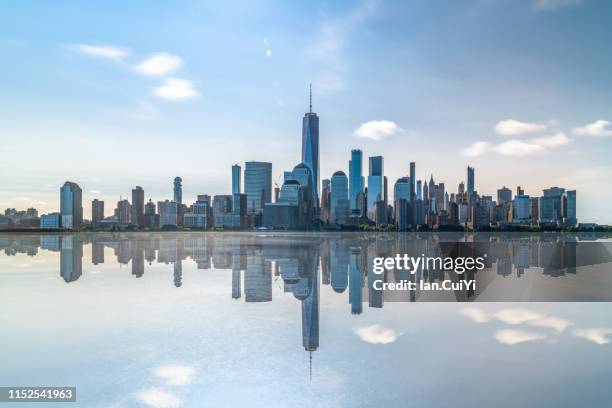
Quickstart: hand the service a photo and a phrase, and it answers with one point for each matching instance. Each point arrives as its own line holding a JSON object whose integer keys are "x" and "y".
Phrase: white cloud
{"x": 596, "y": 335}
{"x": 599, "y": 128}
{"x": 377, "y": 129}
{"x": 157, "y": 398}
{"x": 511, "y": 127}
{"x": 476, "y": 149}
{"x": 517, "y": 147}
{"x": 511, "y": 336}
{"x": 175, "y": 374}
{"x": 23, "y": 199}
{"x": 517, "y": 315}
{"x": 95, "y": 192}
{"x": 377, "y": 334}
{"x": 103, "y": 51}
{"x": 175, "y": 89}
{"x": 551, "y": 322}
{"x": 160, "y": 64}
{"x": 550, "y": 142}
{"x": 554, "y": 4}
{"x": 476, "y": 314}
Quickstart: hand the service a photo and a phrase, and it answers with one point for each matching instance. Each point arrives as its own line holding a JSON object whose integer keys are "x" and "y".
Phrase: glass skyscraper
{"x": 178, "y": 190}
{"x": 355, "y": 177}
{"x": 236, "y": 170}
{"x": 470, "y": 180}
{"x": 339, "y": 203}
{"x": 310, "y": 147}
{"x": 71, "y": 205}
{"x": 375, "y": 184}
{"x": 257, "y": 185}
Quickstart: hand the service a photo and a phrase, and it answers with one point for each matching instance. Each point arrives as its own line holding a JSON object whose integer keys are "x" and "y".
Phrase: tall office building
{"x": 339, "y": 203}
{"x": 97, "y": 211}
{"x": 375, "y": 184}
{"x": 470, "y": 180}
{"x": 504, "y": 195}
{"x": 168, "y": 213}
{"x": 419, "y": 190}
{"x": 356, "y": 179}
{"x": 236, "y": 170}
{"x": 310, "y": 147}
{"x": 412, "y": 181}
{"x": 570, "y": 208}
{"x": 71, "y": 205}
{"x": 257, "y": 185}
{"x": 178, "y": 190}
{"x": 138, "y": 206}
{"x": 123, "y": 211}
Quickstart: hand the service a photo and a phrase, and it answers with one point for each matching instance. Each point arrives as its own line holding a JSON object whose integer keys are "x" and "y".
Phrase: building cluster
{"x": 303, "y": 201}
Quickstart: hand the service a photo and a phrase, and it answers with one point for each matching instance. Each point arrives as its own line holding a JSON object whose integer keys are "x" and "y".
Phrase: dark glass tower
{"x": 310, "y": 147}
{"x": 470, "y": 180}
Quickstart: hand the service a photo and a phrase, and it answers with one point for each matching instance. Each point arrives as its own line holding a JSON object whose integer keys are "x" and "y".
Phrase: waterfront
{"x": 278, "y": 319}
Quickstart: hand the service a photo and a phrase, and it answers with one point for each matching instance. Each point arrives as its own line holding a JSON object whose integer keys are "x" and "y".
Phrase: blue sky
{"x": 114, "y": 95}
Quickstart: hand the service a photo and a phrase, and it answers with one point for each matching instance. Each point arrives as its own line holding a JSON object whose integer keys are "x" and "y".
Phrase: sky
{"x": 113, "y": 95}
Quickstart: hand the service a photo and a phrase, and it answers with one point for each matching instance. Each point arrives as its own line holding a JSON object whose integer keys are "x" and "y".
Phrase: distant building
{"x": 236, "y": 171}
{"x": 339, "y": 202}
{"x": 168, "y": 213}
{"x": 470, "y": 181}
{"x": 375, "y": 184}
{"x": 51, "y": 221}
{"x": 521, "y": 213}
{"x": 137, "y": 215}
{"x": 551, "y": 206}
{"x": 178, "y": 190}
{"x": 257, "y": 185}
{"x": 201, "y": 215}
{"x": 356, "y": 179}
{"x": 310, "y": 148}
{"x": 570, "y": 208}
{"x": 71, "y": 205}
{"x": 504, "y": 195}
{"x": 97, "y": 211}
{"x": 151, "y": 219}
{"x": 123, "y": 212}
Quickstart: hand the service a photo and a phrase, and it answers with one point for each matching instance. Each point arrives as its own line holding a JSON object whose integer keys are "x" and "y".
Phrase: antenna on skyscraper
{"x": 310, "y": 98}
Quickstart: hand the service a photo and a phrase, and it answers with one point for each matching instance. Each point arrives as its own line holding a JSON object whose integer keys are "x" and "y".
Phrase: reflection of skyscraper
{"x": 178, "y": 274}
{"x": 236, "y": 287}
{"x": 138, "y": 257}
{"x": 97, "y": 253}
{"x": 355, "y": 282}
{"x": 257, "y": 279}
{"x": 339, "y": 261}
{"x": 310, "y": 146}
{"x": 71, "y": 258}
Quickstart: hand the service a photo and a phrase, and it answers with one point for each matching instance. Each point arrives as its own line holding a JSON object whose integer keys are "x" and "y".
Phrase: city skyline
{"x": 107, "y": 104}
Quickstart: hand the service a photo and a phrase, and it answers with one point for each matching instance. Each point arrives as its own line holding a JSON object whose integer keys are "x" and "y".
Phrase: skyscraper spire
{"x": 310, "y": 105}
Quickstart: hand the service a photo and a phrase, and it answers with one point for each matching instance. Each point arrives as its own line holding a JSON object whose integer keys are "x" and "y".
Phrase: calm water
{"x": 277, "y": 320}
